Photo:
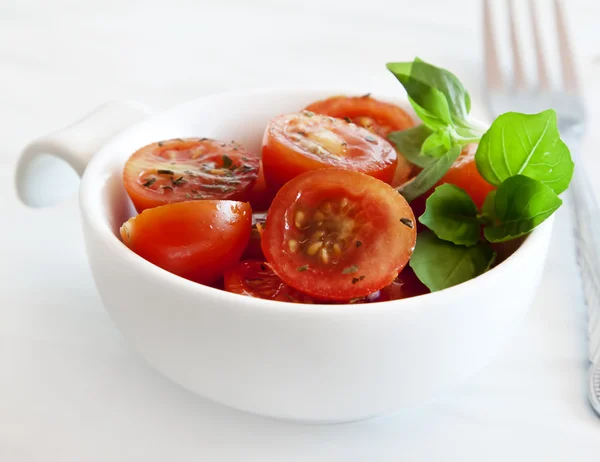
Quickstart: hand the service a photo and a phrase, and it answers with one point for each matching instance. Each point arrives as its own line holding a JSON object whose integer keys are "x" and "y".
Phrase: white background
{"x": 70, "y": 387}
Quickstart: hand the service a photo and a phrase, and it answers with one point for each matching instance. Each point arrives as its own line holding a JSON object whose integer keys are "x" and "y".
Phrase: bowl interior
{"x": 233, "y": 116}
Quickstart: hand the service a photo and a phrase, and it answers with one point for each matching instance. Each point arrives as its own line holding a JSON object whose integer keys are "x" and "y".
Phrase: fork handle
{"x": 586, "y": 214}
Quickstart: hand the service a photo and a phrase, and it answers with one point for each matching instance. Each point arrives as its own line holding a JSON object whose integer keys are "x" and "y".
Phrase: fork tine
{"x": 542, "y": 71}
{"x": 569, "y": 74}
{"x": 519, "y": 81}
{"x": 493, "y": 74}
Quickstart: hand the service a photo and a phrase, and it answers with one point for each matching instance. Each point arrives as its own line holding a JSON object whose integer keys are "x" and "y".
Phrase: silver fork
{"x": 518, "y": 95}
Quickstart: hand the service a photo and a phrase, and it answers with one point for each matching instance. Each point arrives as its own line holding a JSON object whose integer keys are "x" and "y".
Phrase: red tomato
{"x": 465, "y": 175}
{"x": 260, "y": 197}
{"x": 253, "y": 250}
{"x": 186, "y": 169}
{"x": 197, "y": 240}
{"x": 297, "y": 143}
{"x": 406, "y": 285}
{"x": 255, "y": 278}
{"x": 338, "y": 235}
{"x": 377, "y": 116}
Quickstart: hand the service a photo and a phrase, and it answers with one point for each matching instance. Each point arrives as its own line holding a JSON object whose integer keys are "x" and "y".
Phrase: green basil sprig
{"x": 521, "y": 154}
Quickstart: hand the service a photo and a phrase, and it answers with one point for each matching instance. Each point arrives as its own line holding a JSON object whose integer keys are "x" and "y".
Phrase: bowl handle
{"x": 49, "y": 167}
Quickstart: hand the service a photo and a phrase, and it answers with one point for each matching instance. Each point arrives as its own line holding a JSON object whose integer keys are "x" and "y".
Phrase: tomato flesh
{"x": 377, "y": 116}
{"x": 253, "y": 250}
{"x": 188, "y": 169}
{"x": 338, "y": 234}
{"x": 197, "y": 240}
{"x": 297, "y": 143}
{"x": 254, "y": 278}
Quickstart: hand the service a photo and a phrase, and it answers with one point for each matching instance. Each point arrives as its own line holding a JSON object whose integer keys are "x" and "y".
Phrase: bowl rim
{"x": 89, "y": 195}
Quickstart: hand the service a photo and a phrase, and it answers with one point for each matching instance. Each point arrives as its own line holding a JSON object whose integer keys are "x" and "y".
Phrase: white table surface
{"x": 70, "y": 387}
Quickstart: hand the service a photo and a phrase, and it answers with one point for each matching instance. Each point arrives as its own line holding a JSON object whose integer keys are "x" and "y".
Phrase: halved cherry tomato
{"x": 378, "y": 116}
{"x": 465, "y": 175}
{"x": 253, "y": 250}
{"x": 375, "y": 115}
{"x": 298, "y": 143}
{"x": 255, "y": 278}
{"x": 187, "y": 169}
{"x": 406, "y": 285}
{"x": 197, "y": 240}
{"x": 337, "y": 234}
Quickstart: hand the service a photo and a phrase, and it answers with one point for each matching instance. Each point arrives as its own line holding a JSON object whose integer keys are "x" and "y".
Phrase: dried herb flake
{"x": 407, "y": 222}
{"x": 350, "y": 269}
{"x": 149, "y": 182}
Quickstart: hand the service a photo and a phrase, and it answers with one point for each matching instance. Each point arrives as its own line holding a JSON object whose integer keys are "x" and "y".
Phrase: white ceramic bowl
{"x": 313, "y": 363}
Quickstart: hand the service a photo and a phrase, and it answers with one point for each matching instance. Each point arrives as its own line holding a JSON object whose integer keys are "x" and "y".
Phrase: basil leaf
{"x": 488, "y": 210}
{"x": 440, "y": 115}
{"x": 409, "y": 143}
{"x": 434, "y": 92}
{"x": 521, "y": 204}
{"x": 441, "y": 264}
{"x": 437, "y": 144}
{"x": 525, "y": 144}
{"x": 430, "y": 175}
{"x": 452, "y": 215}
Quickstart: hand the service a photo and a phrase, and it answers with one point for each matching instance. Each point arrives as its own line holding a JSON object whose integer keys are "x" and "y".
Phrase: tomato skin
{"x": 254, "y": 278}
{"x": 370, "y": 222}
{"x": 377, "y": 116}
{"x": 465, "y": 175}
{"x": 260, "y": 197}
{"x": 197, "y": 240}
{"x": 180, "y": 170}
{"x": 406, "y": 285}
{"x": 253, "y": 250}
{"x": 297, "y": 143}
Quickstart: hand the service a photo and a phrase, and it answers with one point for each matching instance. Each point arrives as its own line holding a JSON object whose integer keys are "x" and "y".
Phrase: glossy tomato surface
{"x": 465, "y": 175}
{"x": 254, "y": 278}
{"x": 377, "y": 116}
{"x": 338, "y": 234}
{"x": 197, "y": 240}
{"x": 260, "y": 196}
{"x": 297, "y": 143}
{"x": 188, "y": 169}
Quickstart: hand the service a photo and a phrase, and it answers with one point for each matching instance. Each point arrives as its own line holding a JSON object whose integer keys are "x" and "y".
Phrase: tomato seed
{"x": 299, "y": 219}
{"x": 317, "y": 235}
{"x": 314, "y": 248}
{"x": 326, "y": 207}
{"x": 337, "y": 250}
{"x": 324, "y": 256}
{"x": 293, "y": 245}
